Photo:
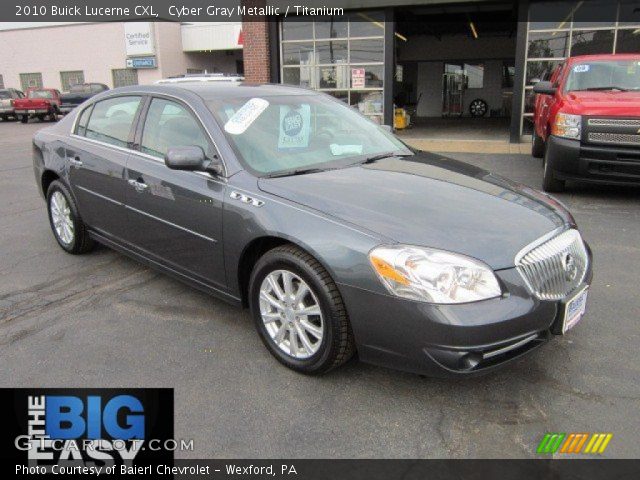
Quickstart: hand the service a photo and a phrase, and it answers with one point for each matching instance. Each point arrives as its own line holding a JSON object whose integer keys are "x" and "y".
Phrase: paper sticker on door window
{"x": 581, "y": 68}
{"x": 245, "y": 116}
{"x": 294, "y": 126}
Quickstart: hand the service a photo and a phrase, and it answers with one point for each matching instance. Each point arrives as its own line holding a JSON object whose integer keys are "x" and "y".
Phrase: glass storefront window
{"x": 629, "y": 13}
{"x": 594, "y": 14}
{"x": 366, "y": 24}
{"x": 475, "y": 75}
{"x": 628, "y": 41}
{"x": 545, "y": 15}
{"x": 331, "y": 52}
{"x": 295, "y": 29}
{"x": 367, "y": 51}
{"x": 297, "y": 53}
{"x": 349, "y": 67}
{"x": 331, "y": 27}
{"x": 540, "y": 70}
{"x": 591, "y": 41}
{"x": 548, "y": 44}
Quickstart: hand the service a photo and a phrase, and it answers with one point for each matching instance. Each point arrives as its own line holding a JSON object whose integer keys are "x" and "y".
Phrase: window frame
{"x": 133, "y": 147}
{"x": 132, "y": 128}
{"x": 142, "y": 120}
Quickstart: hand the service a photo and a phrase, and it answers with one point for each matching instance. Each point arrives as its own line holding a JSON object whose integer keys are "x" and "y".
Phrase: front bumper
{"x": 34, "y": 111}
{"x": 451, "y": 340}
{"x": 573, "y": 160}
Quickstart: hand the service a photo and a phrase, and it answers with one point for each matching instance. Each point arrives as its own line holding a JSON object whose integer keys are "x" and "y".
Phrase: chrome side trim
{"x": 508, "y": 348}
{"x": 108, "y": 199}
{"x": 171, "y": 224}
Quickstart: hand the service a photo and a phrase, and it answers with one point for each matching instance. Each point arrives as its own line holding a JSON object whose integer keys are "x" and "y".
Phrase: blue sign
{"x": 141, "y": 62}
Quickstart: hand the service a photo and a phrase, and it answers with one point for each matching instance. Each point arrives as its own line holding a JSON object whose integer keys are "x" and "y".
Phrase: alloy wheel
{"x": 291, "y": 314}
{"x": 61, "y": 218}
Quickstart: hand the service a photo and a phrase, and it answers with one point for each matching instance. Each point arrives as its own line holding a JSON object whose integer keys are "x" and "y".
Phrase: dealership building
{"x": 442, "y": 61}
{"x": 114, "y": 53}
{"x": 462, "y": 69}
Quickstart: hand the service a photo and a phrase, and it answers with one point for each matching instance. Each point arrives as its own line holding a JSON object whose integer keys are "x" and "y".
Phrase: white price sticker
{"x": 245, "y": 116}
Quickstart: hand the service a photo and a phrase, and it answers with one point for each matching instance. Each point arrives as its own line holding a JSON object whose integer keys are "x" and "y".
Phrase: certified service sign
{"x": 138, "y": 38}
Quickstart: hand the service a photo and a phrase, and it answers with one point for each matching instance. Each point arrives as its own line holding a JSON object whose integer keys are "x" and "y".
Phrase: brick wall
{"x": 255, "y": 33}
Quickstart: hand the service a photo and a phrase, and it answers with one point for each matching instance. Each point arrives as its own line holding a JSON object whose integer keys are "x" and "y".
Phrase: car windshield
{"x": 620, "y": 75}
{"x": 287, "y": 133}
{"x": 40, "y": 94}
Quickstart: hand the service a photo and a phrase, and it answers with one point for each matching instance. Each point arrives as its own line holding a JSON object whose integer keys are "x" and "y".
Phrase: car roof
{"x": 216, "y": 90}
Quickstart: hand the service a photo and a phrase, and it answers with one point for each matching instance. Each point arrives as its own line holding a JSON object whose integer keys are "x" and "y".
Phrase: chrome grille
{"x": 554, "y": 268}
{"x": 617, "y": 138}
{"x": 614, "y": 122}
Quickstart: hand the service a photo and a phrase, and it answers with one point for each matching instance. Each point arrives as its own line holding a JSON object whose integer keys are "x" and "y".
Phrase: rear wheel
{"x": 66, "y": 224}
{"x": 24, "y": 118}
{"x": 537, "y": 145}
{"x": 549, "y": 182}
{"x": 299, "y": 312}
{"x": 53, "y": 115}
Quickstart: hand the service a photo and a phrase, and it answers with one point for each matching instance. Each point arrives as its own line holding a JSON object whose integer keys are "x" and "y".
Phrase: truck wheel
{"x": 537, "y": 145}
{"x": 549, "y": 182}
{"x": 53, "y": 115}
{"x": 299, "y": 312}
{"x": 24, "y": 118}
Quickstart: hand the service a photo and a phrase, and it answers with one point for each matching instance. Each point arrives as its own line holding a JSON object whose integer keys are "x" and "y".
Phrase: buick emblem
{"x": 570, "y": 268}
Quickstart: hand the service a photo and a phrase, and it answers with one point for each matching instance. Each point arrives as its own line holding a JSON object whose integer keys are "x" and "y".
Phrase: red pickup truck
{"x": 587, "y": 121}
{"x": 39, "y": 102}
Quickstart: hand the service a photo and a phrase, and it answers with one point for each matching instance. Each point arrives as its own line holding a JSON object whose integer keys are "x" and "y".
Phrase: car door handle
{"x": 138, "y": 185}
{"x": 75, "y": 161}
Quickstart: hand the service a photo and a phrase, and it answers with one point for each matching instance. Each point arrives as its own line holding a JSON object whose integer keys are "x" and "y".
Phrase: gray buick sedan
{"x": 337, "y": 236}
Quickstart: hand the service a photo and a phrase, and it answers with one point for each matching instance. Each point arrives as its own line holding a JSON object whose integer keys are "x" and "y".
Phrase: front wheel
{"x": 478, "y": 108}
{"x": 24, "y": 118}
{"x": 66, "y": 224}
{"x": 299, "y": 312}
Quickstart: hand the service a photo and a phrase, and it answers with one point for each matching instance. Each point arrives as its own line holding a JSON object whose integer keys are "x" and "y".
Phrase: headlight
{"x": 434, "y": 276}
{"x": 567, "y": 126}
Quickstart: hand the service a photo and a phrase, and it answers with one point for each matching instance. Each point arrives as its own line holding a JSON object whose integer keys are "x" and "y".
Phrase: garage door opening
{"x": 455, "y": 68}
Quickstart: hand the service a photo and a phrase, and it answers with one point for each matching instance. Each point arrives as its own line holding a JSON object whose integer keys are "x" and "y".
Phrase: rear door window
{"x": 111, "y": 120}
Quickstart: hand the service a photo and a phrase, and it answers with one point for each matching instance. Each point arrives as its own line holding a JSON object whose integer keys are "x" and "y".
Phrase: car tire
{"x": 66, "y": 224}
{"x": 53, "y": 116}
{"x": 328, "y": 339}
{"x": 549, "y": 182}
{"x": 537, "y": 145}
{"x": 24, "y": 119}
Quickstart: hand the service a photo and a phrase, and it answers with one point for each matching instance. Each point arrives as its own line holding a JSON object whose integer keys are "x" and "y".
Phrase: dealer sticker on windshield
{"x": 581, "y": 68}
{"x": 245, "y": 116}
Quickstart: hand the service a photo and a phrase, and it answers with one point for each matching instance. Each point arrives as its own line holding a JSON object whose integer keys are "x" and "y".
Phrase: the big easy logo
{"x": 110, "y": 426}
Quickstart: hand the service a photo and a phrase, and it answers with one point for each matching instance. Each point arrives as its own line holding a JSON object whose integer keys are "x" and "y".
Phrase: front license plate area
{"x": 574, "y": 309}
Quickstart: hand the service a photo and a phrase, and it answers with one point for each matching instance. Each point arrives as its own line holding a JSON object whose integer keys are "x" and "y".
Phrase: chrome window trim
{"x": 156, "y": 95}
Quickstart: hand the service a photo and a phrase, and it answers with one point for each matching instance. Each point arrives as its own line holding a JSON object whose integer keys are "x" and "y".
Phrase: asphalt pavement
{"x": 102, "y": 320}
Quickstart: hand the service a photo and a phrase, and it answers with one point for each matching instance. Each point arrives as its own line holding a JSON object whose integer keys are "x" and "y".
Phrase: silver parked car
{"x": 7, "y": 96}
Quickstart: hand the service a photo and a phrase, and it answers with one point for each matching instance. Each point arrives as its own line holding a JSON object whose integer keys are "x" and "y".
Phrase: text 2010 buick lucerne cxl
{"x": 337, "y": 236}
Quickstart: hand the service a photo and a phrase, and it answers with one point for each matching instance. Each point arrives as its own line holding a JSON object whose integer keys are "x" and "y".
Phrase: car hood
{"x": 432, "y": 201}
{"x": 610, "y": 103}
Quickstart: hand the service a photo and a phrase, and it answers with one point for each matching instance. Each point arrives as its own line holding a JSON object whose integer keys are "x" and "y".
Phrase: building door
{"x": 123, "y": 77}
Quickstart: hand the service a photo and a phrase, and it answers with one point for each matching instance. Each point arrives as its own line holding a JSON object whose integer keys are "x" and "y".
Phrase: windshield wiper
{"x": 593, "y": 89}
{"x": 382, "y": 156}
{"x": 298, "y": 171}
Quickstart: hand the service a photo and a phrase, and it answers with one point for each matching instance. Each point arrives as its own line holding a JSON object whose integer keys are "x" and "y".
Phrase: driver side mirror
{"x": 192, "y": 158}
{"x": 544, "y": 88}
